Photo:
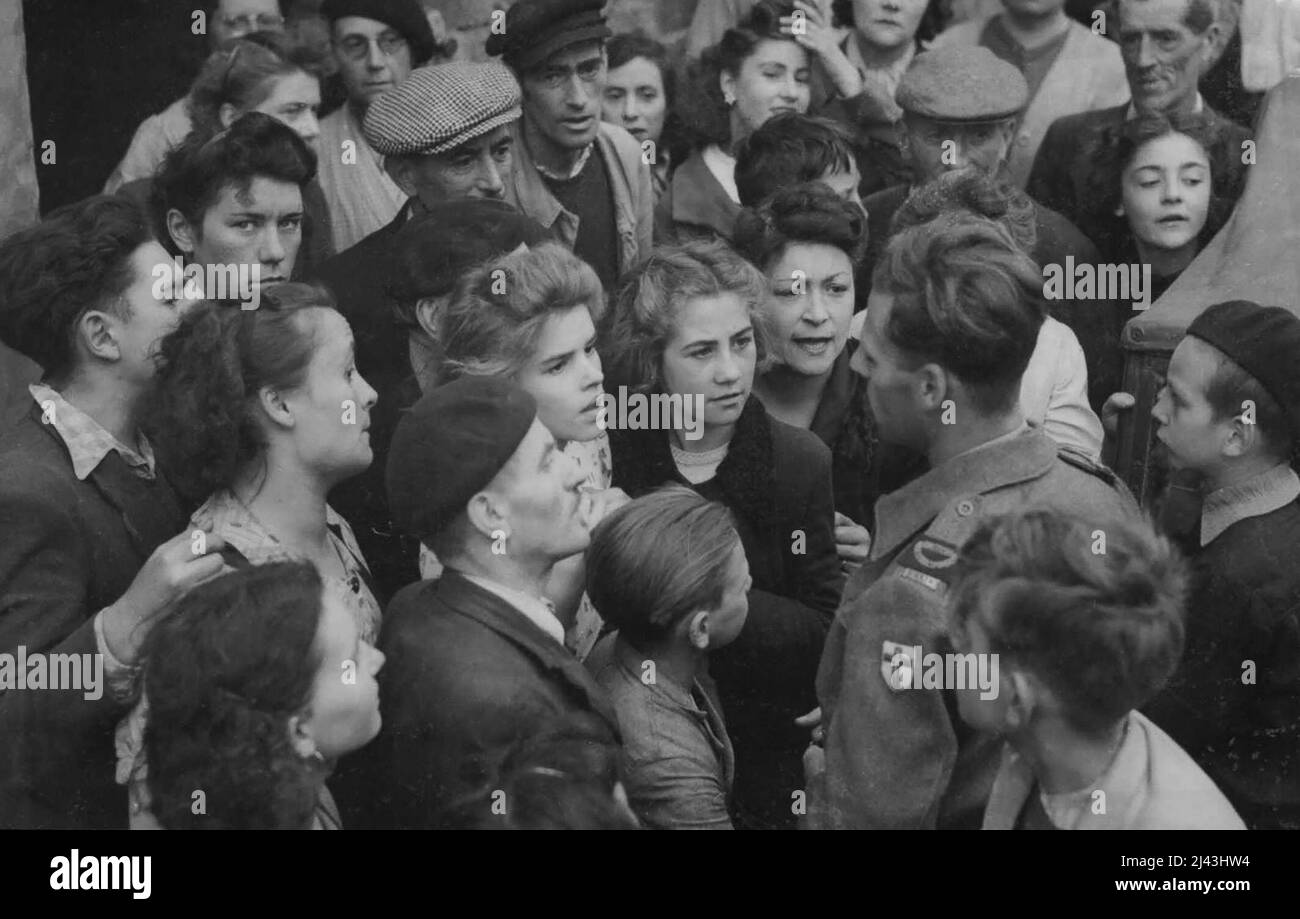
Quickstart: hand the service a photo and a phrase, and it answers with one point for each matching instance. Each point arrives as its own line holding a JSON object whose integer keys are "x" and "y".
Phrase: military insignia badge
{"x": 897, "y": 665}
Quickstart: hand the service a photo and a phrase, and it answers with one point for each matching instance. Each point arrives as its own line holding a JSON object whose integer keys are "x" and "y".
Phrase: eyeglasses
{"x": 262, "y": 22}
{"x": 358, "y": 46}
{"x": 588, "y": 72}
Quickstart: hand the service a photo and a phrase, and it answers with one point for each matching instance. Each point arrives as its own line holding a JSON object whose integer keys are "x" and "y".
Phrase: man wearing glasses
{"x": 582, "y": 178}
{"x": 376, "y": 44}
{"x": 226, "y": 21}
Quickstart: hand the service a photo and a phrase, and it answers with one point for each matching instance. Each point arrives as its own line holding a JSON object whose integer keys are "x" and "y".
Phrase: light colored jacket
{"x": 1151, "y": 785}
{"x": 629, "y": 179}
{"x": 1088, "y": 74}
{"x": 1054, "y": 390}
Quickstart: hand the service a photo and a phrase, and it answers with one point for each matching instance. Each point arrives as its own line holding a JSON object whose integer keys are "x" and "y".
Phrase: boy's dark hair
{"x": 1092, "y": 608}
{"x": 1229, "y": 389}
{"x": 193, "y": 175}
{"x": 967, "y": 297}
{"x": 75, "y": 260}
{"x": 789, "y": 148}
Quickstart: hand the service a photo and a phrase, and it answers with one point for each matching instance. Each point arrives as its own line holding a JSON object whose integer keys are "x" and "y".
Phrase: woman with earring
{"x": 262, "y": 412}
{"x": 751, "y": 75}
{"x": 261, "y": 682}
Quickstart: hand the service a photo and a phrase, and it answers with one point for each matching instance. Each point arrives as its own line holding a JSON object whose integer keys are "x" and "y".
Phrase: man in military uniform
{"x": 951, "y": 323}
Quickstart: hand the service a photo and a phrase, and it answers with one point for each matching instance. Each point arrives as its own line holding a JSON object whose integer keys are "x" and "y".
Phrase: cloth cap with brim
{"x": 406, "y": 16}
{"x": 450, "y": 446}
{"x": 962, "y": 84}
{"x": 1264, "y": 341}
{"x": 536, "y": 29}
{"x": 440, "y": 107}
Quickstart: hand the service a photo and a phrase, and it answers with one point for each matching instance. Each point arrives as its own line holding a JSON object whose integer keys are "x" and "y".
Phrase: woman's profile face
{"x": 810, "y": 306}
{"x": 711, "y": 354}
{"x": 1165, "y": 192}
{"x": 564, "y": 375}
{"x": 773, "y": 79}
{"x": 343, "y": 714}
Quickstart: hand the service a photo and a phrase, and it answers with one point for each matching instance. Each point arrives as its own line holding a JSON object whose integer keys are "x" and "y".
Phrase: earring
{"x": 729, "y": 99}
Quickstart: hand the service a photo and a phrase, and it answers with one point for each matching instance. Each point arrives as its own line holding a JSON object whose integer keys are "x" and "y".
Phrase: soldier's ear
{"x": 1024, "y": 697}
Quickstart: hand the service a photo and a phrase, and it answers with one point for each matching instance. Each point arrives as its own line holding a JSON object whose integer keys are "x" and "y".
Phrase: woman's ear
{"x": 97, "y": 333}
{"x": 300, "y": 737}
{"x": 226, "y": 115}
{"x": 426, "y": 314}
{"x": 273, "y": 404}
{"x": 181, "y": 232}
{"x": 697, "y": 630}
{"x": 1025, "y": 698}
{"x": 1119, "y": 210}
{"x": 727, "y": 83}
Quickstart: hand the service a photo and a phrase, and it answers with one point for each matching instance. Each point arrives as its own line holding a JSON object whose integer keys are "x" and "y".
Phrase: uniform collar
{"x": 88, "y": 441}
{"x": 1019, "y": 456}
{"x": 1262, "y": 494}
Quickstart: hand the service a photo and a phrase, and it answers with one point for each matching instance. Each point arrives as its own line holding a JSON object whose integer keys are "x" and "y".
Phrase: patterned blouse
{"x": 231, "y": 519}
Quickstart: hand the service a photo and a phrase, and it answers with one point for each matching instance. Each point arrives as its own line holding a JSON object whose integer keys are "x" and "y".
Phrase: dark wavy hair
{"x": 707, "y": 119}
{"x": 787, "y": 148}
{"x": 75, "y": 260}
{"x": 560, "y": 778}
{"x": 242, "y": 75}
{"x": 1114, "y": 150}
{"x": 194, "y": 174}
{"x": 202, "y": 418}
{"x": 628, "y": 46}
{"x": 223, "y": 674}
{"x": 805, "y": 213}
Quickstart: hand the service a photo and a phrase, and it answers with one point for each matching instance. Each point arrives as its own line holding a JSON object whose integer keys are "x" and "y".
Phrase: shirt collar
{"x": 1131, "y": 112}
{"x": 88, "y": 442}
{"x": 537, "y": 610}
{"x": 632, "y": 662}
{"x": 1123, "y": 783}
{"x": 1255, "y": 497}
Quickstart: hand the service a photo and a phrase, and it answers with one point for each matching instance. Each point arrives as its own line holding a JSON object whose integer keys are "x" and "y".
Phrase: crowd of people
{"x": 609, "y": 435}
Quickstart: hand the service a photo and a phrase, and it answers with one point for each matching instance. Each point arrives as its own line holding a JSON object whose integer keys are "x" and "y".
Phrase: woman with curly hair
{"x": 261, "y": 412}
{"x": 685, "y": 332}
{"x": 753, "y": 73}
{"x": 260, "y": 681}
{"x": 808, "y": 242}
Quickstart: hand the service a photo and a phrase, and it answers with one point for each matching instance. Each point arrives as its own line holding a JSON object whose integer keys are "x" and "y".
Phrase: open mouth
{"x": 814, "y": 346}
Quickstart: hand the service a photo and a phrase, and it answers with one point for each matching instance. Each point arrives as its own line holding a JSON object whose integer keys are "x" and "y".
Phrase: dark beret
{"x": 959, "y": 83}
{"x": 449, "y": 446}
{"x": 1264, "y": 341}
{"x": 536, "y": 29}
{"x": 406, "y": 16}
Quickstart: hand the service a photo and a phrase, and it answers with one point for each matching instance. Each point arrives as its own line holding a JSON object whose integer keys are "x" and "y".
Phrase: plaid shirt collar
{"x": 86, "y": 439}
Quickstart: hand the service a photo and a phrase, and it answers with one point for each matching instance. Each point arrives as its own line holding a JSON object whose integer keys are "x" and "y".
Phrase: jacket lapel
{"x": 469, "y": 600}
{"x": 699, "y": 200}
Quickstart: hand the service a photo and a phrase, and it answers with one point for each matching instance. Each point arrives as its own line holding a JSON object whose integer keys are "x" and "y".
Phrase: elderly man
{"x": 582, "y": 178}
{"x": 476, "y": 659}
{"x": 226, "y": 22}
{"x": 943, "y": 363}
{"x": 445, "y": 136}
{"x": 376, "y": 43}
{"x": 1068, "y": 67}
{"x": 1165, "y": 45}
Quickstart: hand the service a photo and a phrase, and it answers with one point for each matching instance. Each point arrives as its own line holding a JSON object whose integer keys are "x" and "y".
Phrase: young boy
{"x": 669, "y": 572}
{"x": 1086, "y": 623}
{"x": 1230, "y": 411}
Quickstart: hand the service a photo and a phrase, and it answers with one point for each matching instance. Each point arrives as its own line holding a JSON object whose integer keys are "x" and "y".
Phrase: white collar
{"x": 537, "y": 610}
{"x": 1131, "y": 112}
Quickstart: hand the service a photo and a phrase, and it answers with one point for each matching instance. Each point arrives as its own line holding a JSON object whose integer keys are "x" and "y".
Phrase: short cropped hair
{"x": 807, "y": 213}
{"x": 646, "y": 304}
{"x": 75, "y": 260}
{"x": 789, "y": 148}
{"x": 1103, "y": 628}
{"x": 242, "y": 75}
{"x": 967, "y": 297}
{"x": 1230, "y": 387}
{"x": 1200, "y": 14}
{"x": 657, "y": 559}
{"x": 980, "y": 194}
{"x": 492, "y": 323}
{"x": 193, "y": 175}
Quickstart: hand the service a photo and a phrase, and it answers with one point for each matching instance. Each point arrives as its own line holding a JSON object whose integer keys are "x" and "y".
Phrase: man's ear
{"x": 399, "y": 170}
{"x": 97, "y": 334}
{"x": 932, "y": 386}
{"x": 273, "y": 405}
{"x": 697, "y": 630}
{"x": 226, "y": 115}
{"x": 426, "y": 314}
{"x": 1025, "y": 697}
{"x": 181, "y": 232}
{"x": 1243, "y": 437}
{"x": 488, "y": 516}
{"x": 1211, "y": 47}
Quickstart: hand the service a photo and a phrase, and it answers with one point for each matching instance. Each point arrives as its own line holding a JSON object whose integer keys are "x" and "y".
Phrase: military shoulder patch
{"x": 897, "y": 664}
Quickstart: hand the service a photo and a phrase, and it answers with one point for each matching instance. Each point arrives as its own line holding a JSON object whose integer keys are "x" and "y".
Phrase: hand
{"x": 172, "y": 569}
{"x": 1110, "y": 410}
{"x": 817, "y": 35}
{"x": 852, "y": 542}
{"x": 813, "y": 721}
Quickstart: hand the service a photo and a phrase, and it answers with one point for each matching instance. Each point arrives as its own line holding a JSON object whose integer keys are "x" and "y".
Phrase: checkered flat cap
{"x": 438, "y": 108}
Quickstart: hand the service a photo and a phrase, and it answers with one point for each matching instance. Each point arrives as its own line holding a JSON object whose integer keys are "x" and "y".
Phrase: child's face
{"x": 1191, "y": 435}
